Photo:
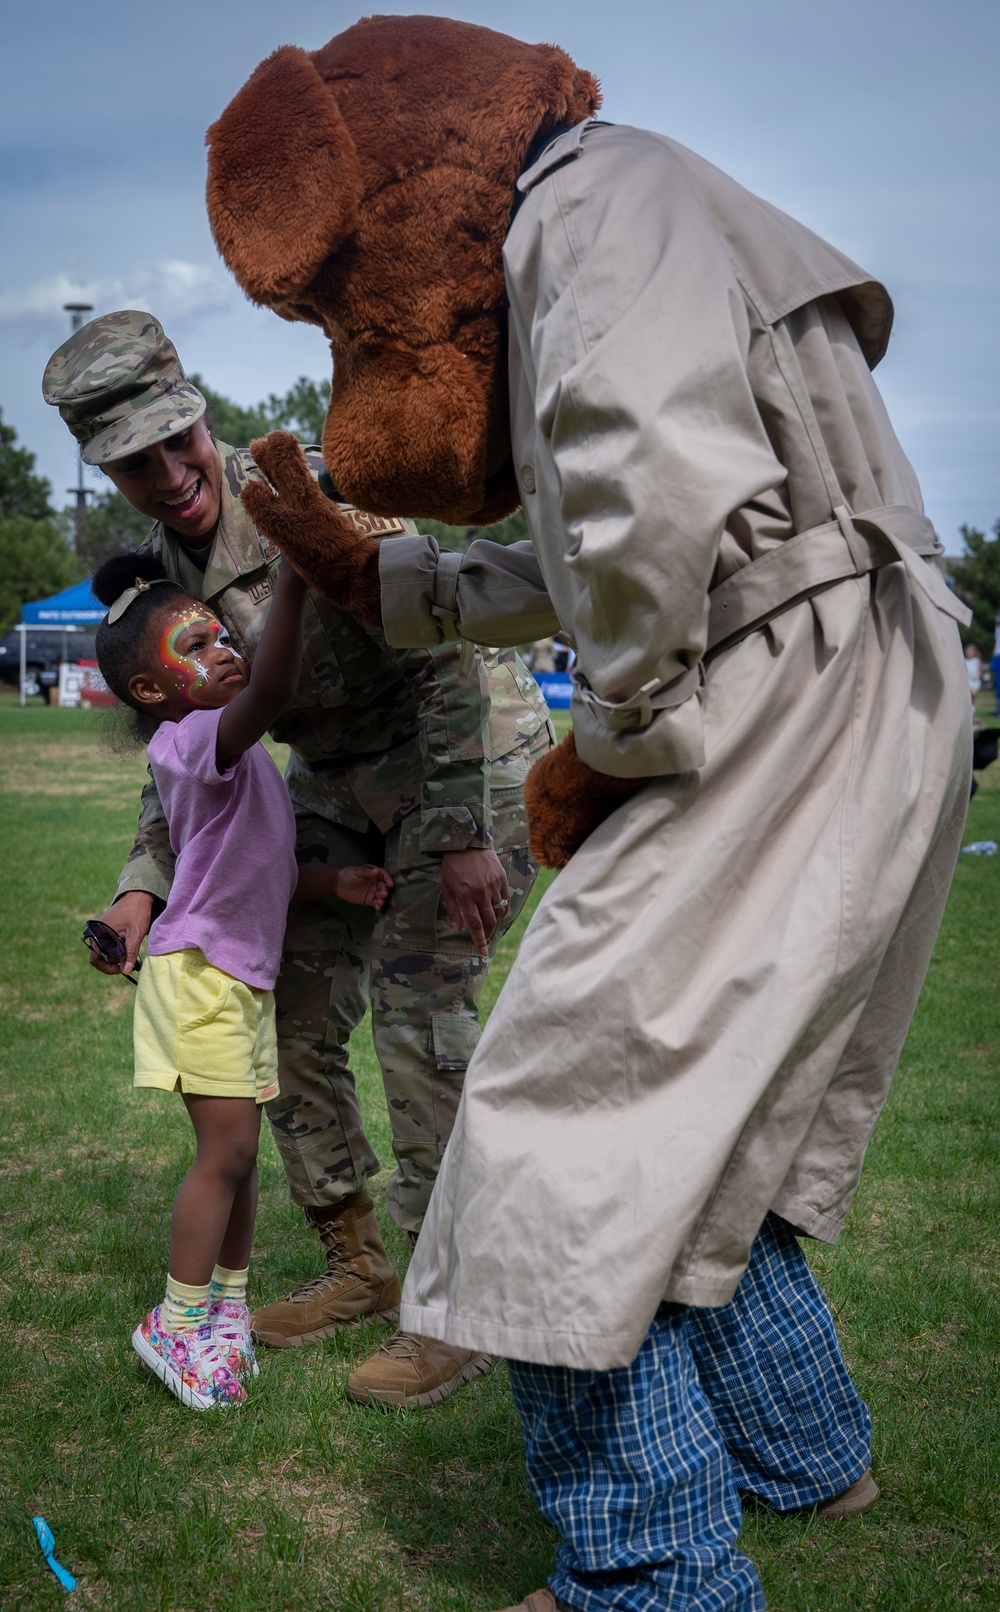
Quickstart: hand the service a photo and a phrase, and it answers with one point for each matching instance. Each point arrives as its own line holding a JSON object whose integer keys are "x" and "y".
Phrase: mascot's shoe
{"x": 409, "y": 1370}
{"x": 358, "y": 1285}
{"x": 854, "y": 1502}
{"x": 538, "y": 1601}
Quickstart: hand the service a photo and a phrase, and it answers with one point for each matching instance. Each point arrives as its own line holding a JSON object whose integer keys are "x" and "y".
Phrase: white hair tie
{"x": 123, "y": 600}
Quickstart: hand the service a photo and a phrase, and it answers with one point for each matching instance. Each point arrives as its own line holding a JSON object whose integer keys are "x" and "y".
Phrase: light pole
{"x": 76, "y": 311}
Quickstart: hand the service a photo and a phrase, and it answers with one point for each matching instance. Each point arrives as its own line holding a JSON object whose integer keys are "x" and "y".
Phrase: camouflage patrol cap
{"x": 119, "y": 385}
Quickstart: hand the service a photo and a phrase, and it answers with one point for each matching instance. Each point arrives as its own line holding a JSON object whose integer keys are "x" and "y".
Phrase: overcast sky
{"x": 874, "y": 121}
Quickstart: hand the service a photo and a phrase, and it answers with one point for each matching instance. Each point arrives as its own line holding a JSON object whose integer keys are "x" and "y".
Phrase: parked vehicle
{"x": 43, "y": 652}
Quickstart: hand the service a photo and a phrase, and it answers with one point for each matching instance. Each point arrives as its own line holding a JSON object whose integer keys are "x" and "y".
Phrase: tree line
{"x": 976, "y": 577}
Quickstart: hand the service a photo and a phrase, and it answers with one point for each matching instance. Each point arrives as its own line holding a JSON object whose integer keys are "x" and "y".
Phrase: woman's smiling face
{"x": 177, "y": 481}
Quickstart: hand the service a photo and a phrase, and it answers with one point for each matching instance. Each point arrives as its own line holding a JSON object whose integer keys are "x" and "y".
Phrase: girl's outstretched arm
{"x": 275, "y": 672}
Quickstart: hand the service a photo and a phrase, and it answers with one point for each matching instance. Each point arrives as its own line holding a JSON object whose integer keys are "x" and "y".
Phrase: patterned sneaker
{"x": 230, "y": 1324}
{"x": 190, "y": 1364}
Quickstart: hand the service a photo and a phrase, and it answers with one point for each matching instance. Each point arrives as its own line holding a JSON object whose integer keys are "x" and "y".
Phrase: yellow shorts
{"x": 199, "y": 1030}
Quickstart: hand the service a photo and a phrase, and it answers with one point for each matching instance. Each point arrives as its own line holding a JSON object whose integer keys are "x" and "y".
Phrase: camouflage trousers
{"x": 423, "y": 982}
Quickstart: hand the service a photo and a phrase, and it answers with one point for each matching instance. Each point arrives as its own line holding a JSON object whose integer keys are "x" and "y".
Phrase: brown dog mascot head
{"x": 367, "y": 187}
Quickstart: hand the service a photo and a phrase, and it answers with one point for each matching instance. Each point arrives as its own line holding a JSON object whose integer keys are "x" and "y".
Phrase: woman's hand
{"x": 476, "y": 894}
{"x": 311, "y": 531}
{"x": 130, "y": 916}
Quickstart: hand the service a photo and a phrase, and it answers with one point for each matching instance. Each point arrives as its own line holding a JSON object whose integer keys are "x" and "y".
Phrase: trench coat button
{"x": 528, "y": 478}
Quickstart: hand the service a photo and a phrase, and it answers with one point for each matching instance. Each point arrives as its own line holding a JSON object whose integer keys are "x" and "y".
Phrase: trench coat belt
{"x": 848, "y": 546}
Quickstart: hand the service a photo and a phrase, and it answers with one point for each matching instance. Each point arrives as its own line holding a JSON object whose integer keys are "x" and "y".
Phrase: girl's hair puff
{"x": 122, "y": 645}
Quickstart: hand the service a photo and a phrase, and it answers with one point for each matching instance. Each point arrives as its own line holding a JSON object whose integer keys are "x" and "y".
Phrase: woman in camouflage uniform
{"x": 412, "y": 758}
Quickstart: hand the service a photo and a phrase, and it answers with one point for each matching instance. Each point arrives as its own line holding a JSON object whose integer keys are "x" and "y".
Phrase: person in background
{"x": 413, "y": 758}
{"x": 562, "y": 656}
{"x": 540, "y": 658}
{"x": 974, "y": 670}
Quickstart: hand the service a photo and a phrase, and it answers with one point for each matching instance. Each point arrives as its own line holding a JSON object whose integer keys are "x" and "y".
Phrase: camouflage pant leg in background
{"x": 425, "y": 984}
{"x": 425, "y": 981}
{"x": 321, "y": 994}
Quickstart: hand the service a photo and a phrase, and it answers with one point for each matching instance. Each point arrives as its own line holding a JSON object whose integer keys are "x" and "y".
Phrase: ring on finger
{"x": 501, "y": 905}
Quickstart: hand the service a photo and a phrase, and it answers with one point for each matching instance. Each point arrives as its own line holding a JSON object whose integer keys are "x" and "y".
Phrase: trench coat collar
{"x": 562, "y": 149}
{"x": 780, "y": 263}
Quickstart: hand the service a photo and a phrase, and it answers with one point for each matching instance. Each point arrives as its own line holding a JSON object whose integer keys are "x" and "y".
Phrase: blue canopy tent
{"x": 74, "y": 607}
{"x": 70, "y": 611}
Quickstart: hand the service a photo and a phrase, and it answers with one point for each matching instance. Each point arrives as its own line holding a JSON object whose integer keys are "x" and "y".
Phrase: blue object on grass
{"x": 48, "y": 1545}
{"x": 980, "y": 848}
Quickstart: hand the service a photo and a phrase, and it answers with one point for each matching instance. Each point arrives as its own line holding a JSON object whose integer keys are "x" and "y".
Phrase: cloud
{"x": 172, "y": 290}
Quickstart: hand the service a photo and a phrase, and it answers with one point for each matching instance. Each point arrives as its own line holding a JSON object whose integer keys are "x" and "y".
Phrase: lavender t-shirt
{"x": 233, "y": 834}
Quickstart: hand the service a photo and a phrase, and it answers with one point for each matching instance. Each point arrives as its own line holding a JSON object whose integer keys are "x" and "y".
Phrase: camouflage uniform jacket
{"x": 375, "y": 733}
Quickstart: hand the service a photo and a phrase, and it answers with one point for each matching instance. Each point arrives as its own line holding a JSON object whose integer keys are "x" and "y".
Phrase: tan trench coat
{"x": 709, "y": 1003}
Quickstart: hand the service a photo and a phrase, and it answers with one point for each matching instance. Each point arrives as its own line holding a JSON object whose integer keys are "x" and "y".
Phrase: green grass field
{"x": 302, "y": 1501}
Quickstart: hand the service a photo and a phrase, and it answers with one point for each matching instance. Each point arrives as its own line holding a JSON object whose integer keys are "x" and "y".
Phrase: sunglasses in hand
{"x": 108, "y": 944}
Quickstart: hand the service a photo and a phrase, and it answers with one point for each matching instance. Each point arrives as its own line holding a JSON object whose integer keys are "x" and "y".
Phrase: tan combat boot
{"x": 538, "y": 1601}
{"x": 409, "y": 1370}
{"x": 854, "y": 1502}
{"x": 359, "y": 1284}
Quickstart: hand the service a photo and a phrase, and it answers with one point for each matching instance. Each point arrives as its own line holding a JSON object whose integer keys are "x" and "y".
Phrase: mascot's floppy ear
{"x": 284, "y": 179}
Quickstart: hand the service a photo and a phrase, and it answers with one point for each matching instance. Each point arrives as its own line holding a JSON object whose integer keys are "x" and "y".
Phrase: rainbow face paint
{"x": 191, "y": 671}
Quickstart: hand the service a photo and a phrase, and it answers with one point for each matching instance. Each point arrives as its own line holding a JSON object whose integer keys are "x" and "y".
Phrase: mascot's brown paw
{"x": 311, "y": 531}
{"x": 566, "y": 801}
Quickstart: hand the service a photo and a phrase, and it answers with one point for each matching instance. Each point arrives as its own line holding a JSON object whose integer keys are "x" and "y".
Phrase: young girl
{"x": 204, "y": 1015}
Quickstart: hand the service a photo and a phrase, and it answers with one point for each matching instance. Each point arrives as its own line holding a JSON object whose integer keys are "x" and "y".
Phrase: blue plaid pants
{"x": 640, "y": 1469}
